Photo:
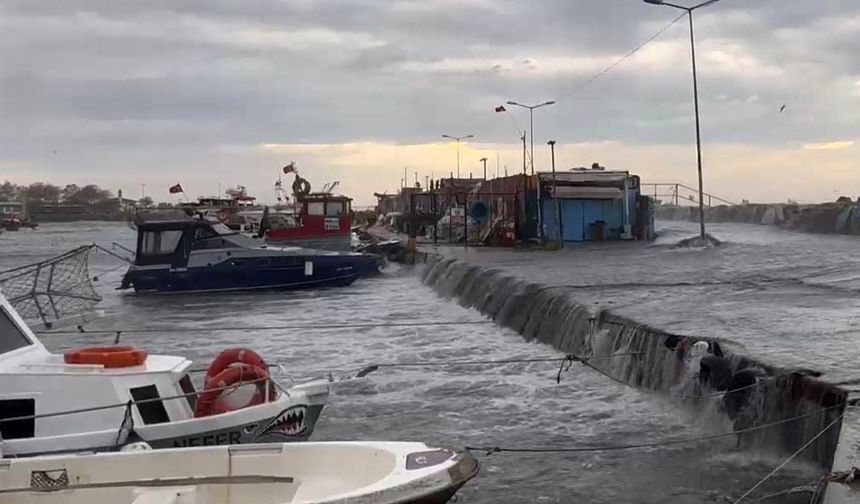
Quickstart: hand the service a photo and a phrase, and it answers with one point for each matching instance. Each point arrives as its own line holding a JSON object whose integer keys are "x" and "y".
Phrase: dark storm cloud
{"x": 175, "y": 74}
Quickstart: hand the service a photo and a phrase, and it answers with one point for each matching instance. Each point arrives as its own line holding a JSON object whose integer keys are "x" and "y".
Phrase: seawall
{"x": 826, "y": 218}
{"x": 643, "y": 356}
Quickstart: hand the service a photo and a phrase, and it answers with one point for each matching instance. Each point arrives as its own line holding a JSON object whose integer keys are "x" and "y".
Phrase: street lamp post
{"x": 457, "y": 139}
{"x": 484, "y": 160}
{"x": 531, "y": 109}
{"x": 689, "y": 11}
{"x": 559, "y": 237}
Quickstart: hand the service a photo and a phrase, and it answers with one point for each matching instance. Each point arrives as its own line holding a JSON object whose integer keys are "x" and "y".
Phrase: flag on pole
{"x": 176, "y": 189}
{"x": 501, "y": 108}
{"x": 290, "y": 168}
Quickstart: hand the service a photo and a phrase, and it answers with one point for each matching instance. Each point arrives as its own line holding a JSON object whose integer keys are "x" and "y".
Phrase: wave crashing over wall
{"x": 648, "y": 358}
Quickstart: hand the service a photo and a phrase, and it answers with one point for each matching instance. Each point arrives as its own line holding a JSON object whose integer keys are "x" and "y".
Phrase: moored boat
{"x": 197, "y": 255}
{"x": 299, "y": 473}
{"x": 99, "y": 399}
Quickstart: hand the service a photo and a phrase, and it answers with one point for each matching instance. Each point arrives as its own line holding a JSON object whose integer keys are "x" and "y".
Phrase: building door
{"x": 572, "y": 214}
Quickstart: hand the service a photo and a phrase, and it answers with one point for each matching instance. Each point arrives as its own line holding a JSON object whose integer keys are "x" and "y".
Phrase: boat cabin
{"x": 36, "y": 382}
{"x": 322, "y": 220}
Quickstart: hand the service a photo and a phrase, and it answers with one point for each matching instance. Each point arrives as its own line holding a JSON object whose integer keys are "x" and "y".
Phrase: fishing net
{"x": 52, "y": 290}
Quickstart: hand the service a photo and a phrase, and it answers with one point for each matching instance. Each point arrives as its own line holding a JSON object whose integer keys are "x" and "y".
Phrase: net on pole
{"x": 52, "y": 290}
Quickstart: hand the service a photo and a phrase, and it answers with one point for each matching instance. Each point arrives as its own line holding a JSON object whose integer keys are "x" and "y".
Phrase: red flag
{"x": 176, "y": 189}
{"x": 501, "y": 108}
{"x": 290, "y": 168}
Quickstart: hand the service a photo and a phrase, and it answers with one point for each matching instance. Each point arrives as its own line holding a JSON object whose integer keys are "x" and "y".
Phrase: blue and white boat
{"x": 197, "y": 255}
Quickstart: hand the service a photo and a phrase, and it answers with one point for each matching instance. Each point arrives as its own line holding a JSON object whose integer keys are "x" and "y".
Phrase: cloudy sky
{"x": 204, "y": 92}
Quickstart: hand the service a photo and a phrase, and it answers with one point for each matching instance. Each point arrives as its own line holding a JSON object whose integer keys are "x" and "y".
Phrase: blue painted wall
{"x": 577, "y": 217}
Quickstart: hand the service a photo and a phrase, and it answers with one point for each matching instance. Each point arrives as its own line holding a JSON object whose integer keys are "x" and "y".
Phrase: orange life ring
{"x": 223, "y": 215}
{"x": 231, "y": 356}
{"x": 237, "y": 374}
{"x": 109, "y": 357}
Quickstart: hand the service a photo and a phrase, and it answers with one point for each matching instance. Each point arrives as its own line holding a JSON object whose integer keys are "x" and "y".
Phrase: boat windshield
{"x": 221, "y": 229}
{"x": 11, "y": 336}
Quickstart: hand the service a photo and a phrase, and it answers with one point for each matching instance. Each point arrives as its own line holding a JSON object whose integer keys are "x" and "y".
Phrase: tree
{"x": 90, "y": 194}
{"x": 8, "y": 191}
{"x": 145, "y": 202}
{"x": 69, "y": 191}
{"x": 40, "y": 191}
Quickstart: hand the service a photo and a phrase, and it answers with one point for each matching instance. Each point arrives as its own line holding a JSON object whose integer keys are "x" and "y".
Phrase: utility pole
{"x": 484, "y": 160}
{"x": 558, "y": 231}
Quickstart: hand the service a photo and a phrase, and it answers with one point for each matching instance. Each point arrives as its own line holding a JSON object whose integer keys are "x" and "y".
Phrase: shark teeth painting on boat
{"x": 291, "y": 422}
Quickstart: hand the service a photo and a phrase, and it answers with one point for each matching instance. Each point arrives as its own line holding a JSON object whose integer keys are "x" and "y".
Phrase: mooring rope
{"x": 789, "y": 459}
{"x": 171, "y": 330}
{"x": 489, "y": 450}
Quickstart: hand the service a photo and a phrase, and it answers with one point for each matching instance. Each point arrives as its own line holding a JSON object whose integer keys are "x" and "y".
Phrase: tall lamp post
{"x": 457, "y": 139}
{"x": 484, "y": 160}
{"x": 689, "y": 11}
{"x": 531, "y": 109}
{"x": 558, "y": 233}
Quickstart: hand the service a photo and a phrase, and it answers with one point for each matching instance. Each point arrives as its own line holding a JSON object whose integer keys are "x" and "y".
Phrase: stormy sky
{"x": 225, "y": 92}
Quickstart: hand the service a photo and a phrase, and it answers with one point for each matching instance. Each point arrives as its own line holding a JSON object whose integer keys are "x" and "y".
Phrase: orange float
{"x": 109, "y": 357}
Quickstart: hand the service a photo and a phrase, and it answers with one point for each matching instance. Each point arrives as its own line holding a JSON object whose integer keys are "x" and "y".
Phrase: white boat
{"x": 103, "y": 398}
{"x": 330, "y": 472}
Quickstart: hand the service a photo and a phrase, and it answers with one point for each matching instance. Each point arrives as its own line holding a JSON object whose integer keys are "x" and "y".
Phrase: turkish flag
{"x": 501, "y": 108}
{"x": 176, "y": 189}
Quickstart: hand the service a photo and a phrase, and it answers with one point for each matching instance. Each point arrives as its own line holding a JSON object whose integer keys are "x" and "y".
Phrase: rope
{"x": 128, "y": 403}
{"x": 621, "y": 59}
{"x": 654, "y": 444}
{"x": 789, "y": 459}
{"x": 268, "y": 328}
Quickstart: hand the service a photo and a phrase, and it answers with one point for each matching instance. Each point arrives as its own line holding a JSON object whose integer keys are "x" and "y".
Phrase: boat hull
{"x": 254, "y": 273}
{"x": 304, "y": 473}
{"x": 289, "y": 418}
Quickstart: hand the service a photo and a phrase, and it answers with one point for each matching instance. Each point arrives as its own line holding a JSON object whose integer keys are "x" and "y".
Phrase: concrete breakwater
{"x": 646, "y": 357}
{"x": 841, "y": 217}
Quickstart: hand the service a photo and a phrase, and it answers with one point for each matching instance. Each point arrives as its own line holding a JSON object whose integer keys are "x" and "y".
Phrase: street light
{"x": 689, "y": 11}
{"x": 457, "y": 139}
{"x": 531, "y": 109}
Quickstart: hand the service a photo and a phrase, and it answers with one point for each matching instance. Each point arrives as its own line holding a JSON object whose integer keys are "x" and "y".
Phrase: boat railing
{"x": 132, "y": 402}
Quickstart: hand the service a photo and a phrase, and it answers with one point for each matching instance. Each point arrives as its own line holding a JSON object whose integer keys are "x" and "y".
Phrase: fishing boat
{"x": 303, "y": 473}
{"x": 102, "y": 398}
{"x": 198, "y": 255}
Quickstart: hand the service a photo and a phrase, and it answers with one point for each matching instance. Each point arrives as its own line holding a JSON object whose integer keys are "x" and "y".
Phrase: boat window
{"x": 160, "y": 242}
{"x": 152, "y": 412}
{"x": 11, "y": 336}
{"x": 202, "y": 233}
{"x": 333, "y": 209}
{"x": 222, "y": 229}
{"x": 316, "y": 208}
{"x": 188, "y": 388}
{"x": 19, "y": 429}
